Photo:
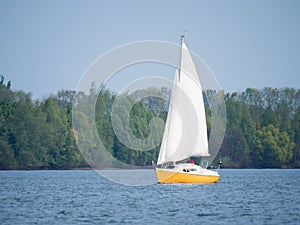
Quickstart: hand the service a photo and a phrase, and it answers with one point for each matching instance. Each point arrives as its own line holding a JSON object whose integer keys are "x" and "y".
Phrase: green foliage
{"x": 274, "y": 147}
{"x": 269, "y": 121}
{"x": 263, "y": 128}
{"x": 36, "y": 134}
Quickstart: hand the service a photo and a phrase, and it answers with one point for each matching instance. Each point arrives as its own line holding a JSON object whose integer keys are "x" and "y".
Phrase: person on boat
{"x": 192, "y": 161}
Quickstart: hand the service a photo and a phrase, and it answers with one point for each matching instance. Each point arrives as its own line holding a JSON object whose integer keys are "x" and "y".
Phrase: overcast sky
{"x": 46, "y": 46}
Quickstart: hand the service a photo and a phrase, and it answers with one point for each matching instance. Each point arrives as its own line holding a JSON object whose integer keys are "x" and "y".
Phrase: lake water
{"x": 84, "y": 197}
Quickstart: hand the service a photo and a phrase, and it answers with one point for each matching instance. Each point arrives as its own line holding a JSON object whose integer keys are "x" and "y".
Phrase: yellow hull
{"x": 178, "y": 177}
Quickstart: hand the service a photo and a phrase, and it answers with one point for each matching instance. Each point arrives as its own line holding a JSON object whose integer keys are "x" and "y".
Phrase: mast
{"x": 182, "y": 38}
{"x": 179, "y": 71}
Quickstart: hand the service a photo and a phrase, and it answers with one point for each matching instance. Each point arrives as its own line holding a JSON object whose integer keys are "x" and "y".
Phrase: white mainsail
{"x": 185, "y": 130}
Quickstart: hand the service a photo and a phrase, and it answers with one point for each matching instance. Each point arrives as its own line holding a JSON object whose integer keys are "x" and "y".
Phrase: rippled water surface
{"x": 84, "y": 197}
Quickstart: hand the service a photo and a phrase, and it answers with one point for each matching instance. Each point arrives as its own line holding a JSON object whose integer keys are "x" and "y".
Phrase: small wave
{"x": 207, "y": 214}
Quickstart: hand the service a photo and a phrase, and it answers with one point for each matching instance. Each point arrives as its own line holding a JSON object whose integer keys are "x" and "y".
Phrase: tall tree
{"x": 274, "y": 148}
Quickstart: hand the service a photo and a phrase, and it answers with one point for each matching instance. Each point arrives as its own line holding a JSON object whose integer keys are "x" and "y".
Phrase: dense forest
{"x": 263, "y": 129}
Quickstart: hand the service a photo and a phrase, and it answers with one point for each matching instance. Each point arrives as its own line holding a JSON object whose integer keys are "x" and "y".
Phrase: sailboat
{"x": 185, "y": 134}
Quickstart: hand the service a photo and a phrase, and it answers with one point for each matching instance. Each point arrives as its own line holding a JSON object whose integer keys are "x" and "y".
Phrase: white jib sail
{"x": 186, "y": 130}
{"x": 173, "y": 127}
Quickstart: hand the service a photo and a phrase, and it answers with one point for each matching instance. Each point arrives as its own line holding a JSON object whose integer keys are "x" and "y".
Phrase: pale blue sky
{"x": 46, "y": 46}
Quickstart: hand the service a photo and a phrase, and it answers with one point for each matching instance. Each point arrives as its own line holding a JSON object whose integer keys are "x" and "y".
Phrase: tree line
{"x": 263, "y": 128}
